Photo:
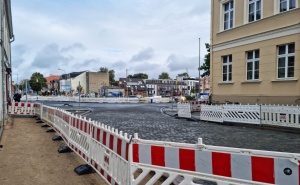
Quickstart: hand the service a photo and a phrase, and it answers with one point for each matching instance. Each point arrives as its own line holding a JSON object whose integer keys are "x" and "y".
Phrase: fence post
{"x": 260, "y": 114}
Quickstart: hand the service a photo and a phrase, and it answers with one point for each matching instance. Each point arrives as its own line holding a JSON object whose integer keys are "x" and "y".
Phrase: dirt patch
{"x": 29, "y": 156}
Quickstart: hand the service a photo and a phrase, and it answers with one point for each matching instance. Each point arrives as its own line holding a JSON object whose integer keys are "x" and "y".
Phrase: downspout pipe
{"x": 2, "y": 65}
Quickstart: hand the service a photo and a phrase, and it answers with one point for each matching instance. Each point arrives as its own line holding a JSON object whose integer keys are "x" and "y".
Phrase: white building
{"x": 6, "y": 37}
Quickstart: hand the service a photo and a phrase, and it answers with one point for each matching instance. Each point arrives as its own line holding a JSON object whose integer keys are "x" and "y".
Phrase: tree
{"x": 206, "y": 65}
{"x": 103, "y": 70}
{"x": 37, "y": 81}
{"x": 185, "y": 74}
{"x": 111, "y": 76}
{"x": 79, "y": 88}
{"x": 164, "y": 75}
{"x": 138, "y": 75}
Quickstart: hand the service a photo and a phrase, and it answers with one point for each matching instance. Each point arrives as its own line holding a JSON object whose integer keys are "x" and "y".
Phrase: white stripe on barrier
{"x": 107, "y": 151}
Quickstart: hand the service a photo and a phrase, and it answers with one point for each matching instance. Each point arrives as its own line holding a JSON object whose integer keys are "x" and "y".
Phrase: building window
{"x": 227, "y": 68}
{"x": 253, "y": 65}
{"x": 285, "y": 5}
{"x": 228, "y": 15}
{"x": 286, "y": 61}
{"x": 254, "y": 10}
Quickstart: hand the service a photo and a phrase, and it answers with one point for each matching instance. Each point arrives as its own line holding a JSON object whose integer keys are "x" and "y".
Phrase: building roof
{"x": 52, "y": 77}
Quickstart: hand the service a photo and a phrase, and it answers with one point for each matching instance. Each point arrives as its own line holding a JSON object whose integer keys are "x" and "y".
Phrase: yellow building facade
{"x": 255, "y": 51}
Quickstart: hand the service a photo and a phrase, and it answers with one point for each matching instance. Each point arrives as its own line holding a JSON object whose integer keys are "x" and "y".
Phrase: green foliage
{"x": 206, "y": 65}
{"x": 103, "y": 70}
{"x": 138, "y": 75}
{"x": 190, "y": 98}
{"x": 193, "y": 90}
{"x": 37, "y": 81}
{"x": 185, "y": 74}
{"x": 164, "y": 75}
{"x": 79, "y": 88}
{"x": 111, "y": 76}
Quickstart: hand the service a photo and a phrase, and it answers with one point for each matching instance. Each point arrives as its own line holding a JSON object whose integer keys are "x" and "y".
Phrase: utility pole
{"x": 199, "y": 67}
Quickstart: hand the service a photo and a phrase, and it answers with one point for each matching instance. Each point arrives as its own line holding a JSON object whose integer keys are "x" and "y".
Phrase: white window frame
{"x": 228, "y": 63}
{"x": 255, "y": 9}
{"x": 222, "y": 12}
{"x": 253, "y": 60}
{"x": 286, "y": 56}
{"x": 277, "y": 6}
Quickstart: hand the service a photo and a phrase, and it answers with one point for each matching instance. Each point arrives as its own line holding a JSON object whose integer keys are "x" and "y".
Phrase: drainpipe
{"x": 2, "y": 64}
{"x": 13, "y": 39}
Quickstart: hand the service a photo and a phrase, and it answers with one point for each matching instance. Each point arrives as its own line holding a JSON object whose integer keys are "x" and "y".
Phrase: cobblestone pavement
{"x": 148, "y": 121}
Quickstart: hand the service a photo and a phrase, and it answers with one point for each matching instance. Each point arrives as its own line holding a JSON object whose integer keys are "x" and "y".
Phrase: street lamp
{"x": 66, "y": 77}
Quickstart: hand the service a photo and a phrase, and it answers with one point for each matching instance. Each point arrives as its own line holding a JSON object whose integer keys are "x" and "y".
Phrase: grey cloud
{"x": 18, "y": 52}
{"x": 119, "y": 65}
{"x": 146, "y": 67}
{"x": 95, "y": 62}
{"x": 177, "y": 63}
{"x": 75, "y": 46}
{"x": 49, "y": 56}
{"x": 143, "y": 55}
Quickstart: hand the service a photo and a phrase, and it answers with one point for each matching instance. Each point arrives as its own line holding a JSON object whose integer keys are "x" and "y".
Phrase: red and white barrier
{"x": 112, "y": 154}
{"x": 228, "y": 164}
{"x": 195, "y": 106}
{"x": 79, "y": 137}
{"x": 109, "y": 154}
{"x": 21, "y": 108}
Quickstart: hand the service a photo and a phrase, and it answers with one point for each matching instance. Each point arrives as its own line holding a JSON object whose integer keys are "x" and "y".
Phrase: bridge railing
{"x": 120, "y": 159}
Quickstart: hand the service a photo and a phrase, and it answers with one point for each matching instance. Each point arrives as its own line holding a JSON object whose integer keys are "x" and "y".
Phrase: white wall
{"x": 75, "y": 82}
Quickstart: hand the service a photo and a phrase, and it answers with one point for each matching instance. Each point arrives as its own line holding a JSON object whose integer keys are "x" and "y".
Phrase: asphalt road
{"x": 150, "y": 123}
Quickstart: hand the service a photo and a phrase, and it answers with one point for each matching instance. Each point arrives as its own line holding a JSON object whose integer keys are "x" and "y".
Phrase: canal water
{"x": 150, "y": 123}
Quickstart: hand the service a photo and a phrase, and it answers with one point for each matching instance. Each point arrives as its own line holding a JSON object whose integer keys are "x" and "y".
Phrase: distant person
{"x": 17, "y": 97}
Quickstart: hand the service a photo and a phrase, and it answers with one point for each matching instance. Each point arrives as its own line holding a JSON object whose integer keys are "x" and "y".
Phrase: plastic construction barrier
{"x": 123, "y": 161}
{"x": 195, "y": 106}
{"x": 21, "y": 108}
{"x": 216, "y": 164}
{"x": 110, "y": 153}
{"x": 184, "y": 110}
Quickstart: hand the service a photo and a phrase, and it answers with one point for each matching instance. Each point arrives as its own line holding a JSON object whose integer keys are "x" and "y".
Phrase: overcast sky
{"x": 143, "y": 36}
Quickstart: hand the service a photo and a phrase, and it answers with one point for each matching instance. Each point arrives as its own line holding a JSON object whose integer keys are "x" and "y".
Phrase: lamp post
{"x": 66, "y": 77}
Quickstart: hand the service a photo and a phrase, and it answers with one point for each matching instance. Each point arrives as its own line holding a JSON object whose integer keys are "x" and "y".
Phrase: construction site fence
{"x": 271, "y": 115}
{"x": 122, "y": 159}
{"x": 98, "y": 100}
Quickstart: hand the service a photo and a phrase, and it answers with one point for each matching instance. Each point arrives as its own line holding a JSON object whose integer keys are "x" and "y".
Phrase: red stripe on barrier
{"x": 102, "y": 171}
{"x": 127, "y": 148}
{"x": 135, "y": 153}
{"x": 22, "y": 104}
{"x": 158, "y": 155}
{"x": 104, "y": 138}
{"x": 109, "y": 178}
{"x": 221, "y": 164}
{"x": 263, "y": 169}
{"x": 119, "y": 146}
{"x": 98, "y": 134}
{"x": 187, "y": 159}
{"x": 111, "y": 141}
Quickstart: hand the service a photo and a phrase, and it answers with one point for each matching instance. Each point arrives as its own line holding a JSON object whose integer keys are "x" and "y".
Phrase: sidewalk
{"x": 29, "y": 156}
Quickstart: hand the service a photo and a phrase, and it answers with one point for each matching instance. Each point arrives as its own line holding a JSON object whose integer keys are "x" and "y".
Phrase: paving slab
{"x": 29, "y": 156}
